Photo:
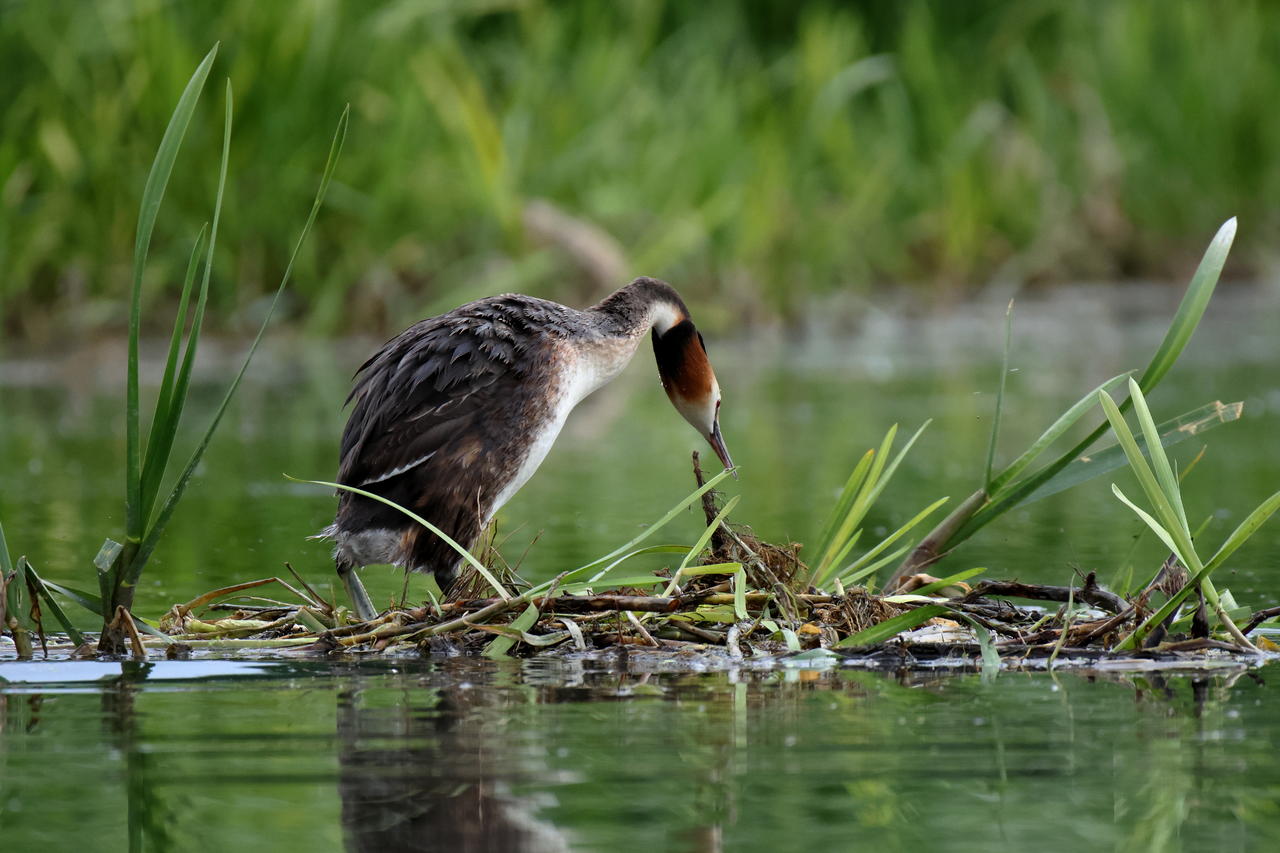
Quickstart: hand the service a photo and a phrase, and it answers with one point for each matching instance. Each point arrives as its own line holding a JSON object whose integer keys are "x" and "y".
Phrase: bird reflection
{"x": 423, "y": 775}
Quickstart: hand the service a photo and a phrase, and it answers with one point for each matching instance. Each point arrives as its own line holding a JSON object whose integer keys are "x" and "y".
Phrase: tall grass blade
{"x": 449, "y": 540}
{"x": 968, "y": 519}
{"x": 1192, "y": 307}
{"x": 869, "y": 571}
{"x": 500, "y": 646}
{"x": 1246, "y": 529}
{"x": 152, "y": 196}
{"x": 692, "y": 553}
{"x": 50, "y": 601}
{"x": 845, "y": 501}
{"x": 165, "y": 427}
{"x": 836, "y": 560}
{"x": 1055, "y": 431}
{"x": 166, "y": 511}
{"x": 861, "y": 501}
{"x": 1164, "y": 509}
{"x": 652, "y": 549}
{"x": 6, "y": 565}
{"x": 87, "y": 600}
{"x": 1172, "y": 431}
{"x": 878, "y": 477}
{"x": 1004, "y": 375}
{"x": 892, "y": 627}
{"x": 164, "y": 423}
{"x": 880, "y": 547}
{"x": 1159, "y": 459}
{"x": 710, "y": 531}
{"x": 653, "y": 528}
{"x": 1159, "y": 529}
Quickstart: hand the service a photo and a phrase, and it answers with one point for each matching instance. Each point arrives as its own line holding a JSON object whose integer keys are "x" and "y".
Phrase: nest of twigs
{"x": 771, "y": 616}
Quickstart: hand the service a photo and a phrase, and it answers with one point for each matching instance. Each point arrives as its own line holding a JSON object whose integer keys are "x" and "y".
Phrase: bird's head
{"x": 688, "y": 379}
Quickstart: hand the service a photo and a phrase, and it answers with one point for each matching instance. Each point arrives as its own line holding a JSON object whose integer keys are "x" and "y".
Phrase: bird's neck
{"x": 642, "y": 305}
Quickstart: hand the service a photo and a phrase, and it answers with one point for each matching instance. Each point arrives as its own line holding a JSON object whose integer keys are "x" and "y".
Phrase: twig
{"x": 1260, "y": 617}
{"x": 631, "y": 617}
{"x": 694, "y": 631}
{"x": 1089, "y": 593}
{"x": 316, "y": 598}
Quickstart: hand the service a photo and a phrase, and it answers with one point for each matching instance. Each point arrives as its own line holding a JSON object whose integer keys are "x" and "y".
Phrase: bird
{"x": 451, "y": 417}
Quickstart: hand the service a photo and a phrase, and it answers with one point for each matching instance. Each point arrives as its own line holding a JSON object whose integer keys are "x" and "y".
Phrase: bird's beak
{"x": 717, "y": 444}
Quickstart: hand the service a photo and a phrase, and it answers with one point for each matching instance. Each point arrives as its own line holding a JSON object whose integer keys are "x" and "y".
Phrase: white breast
{"x": 588, "y": 371}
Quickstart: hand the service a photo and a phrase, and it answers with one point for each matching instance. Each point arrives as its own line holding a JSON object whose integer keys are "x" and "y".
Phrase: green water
{"x": 455, "y": 755}
{"x": 317, "y": 755}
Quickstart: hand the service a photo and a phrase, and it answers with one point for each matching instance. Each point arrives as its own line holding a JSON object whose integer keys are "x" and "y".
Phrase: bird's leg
{"x": 365, "y": 611}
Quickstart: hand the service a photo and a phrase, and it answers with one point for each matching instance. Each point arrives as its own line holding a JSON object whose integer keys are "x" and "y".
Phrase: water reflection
{"x": 464, "y": 755}
{"x": 428, "y": 773}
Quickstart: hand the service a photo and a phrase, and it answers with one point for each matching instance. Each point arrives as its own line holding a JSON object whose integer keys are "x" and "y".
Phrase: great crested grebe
{"x": 453, "y": 415}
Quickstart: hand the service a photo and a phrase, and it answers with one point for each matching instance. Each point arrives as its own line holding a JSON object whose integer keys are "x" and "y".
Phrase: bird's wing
{"x": 434, "y": 383}
{"x": 439, "y": 381}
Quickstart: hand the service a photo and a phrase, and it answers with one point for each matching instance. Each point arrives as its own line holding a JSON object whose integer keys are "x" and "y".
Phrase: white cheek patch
{"x": 663, "y": 316}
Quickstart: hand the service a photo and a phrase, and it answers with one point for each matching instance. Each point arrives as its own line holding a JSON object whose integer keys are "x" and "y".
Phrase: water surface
{"x": 462, "y": 755}
{"x": 797, "y": 415}
{"x": 467, "y": 756}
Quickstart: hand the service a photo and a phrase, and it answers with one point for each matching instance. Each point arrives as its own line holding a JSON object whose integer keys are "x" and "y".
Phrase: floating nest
{"x": 976, "y": 626}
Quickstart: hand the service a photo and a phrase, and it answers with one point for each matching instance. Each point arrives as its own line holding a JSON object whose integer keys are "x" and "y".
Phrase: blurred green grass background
{"x": 758, "y": 155}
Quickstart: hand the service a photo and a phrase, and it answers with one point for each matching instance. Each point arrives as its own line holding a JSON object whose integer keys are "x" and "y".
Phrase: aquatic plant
{"x": 844, "y": 530}
{"x": 1168, "y": 517}
{"x": 120, "y": 565}
{"x": 1012, "y": 486}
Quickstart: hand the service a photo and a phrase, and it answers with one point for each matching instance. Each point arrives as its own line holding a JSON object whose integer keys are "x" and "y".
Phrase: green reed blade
{"x": 876, "y": 481}
{"x": 613, "y": 583}
{"x": 449, "y": 540}
{"x": 1192, "y": 307}
{"x": 837, "y": 558}
{"x": 500, "y": 646}
{"x": 892, "y": 627}
{"x": 46, "y": 595}
{"x": 701, "y": 542}
{"x": 845, "y": 501}
{"x": 1159, "y": 459}
{"x": 710, "y": 531}
{"x": 868, "y": 571}
{"x": 1164, "y": 508}
{"x": 652, "y": 549}
{"x": 1187, "y": 425}
{"x": 859, "y": 504}
{"x": 651, "y": 529}
{"x": 168, "y": 425}
{"x": 887, "y": 541}
{"x": 152, "y": 196}
{"x": 1055, "y": 431}
{"x": 166, "y": 510}
{"x": 87, "y": 600}
{"x": 183, "y": 381}
{"x": 6, "y": 565}
{"x": 164, "y": 423}
{"x": 1164, "y": 534}
{"x": 1246, "y": 529}
{"x": 1184, "y": 323}
{"x": 1004, "y": 375}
